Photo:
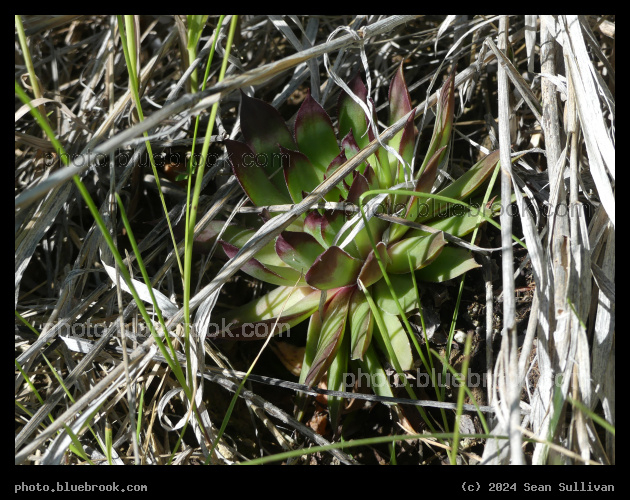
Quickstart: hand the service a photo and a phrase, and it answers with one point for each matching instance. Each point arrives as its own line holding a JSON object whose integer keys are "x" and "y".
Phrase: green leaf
{"x": 315, "y": 135}
{"x": 452, "y": 262}
{"x": 312, "y": 339}
{"x": 381, "y": 165}
{"x": 331, "y": 225}
{"x": 414, "y": 204}
{"x": 299, "y": 174}
{"x": 361, "y": 325}
{"x": 288, "y": 306}
{"x": 404, "y": 289}
{"x": 421, "y": 249}
{"x": 253, "y": 179}
{"x": 333, "y": 326}
{"x": 463, "y": 187}
{"x": 351, "y": 115}
{"x": 399, "y": 340}
{"x": 462, "y": 221}
{"x": 196, "y": 24}
{"x": 378, "y": 382}
{"x": 337, "y": 372}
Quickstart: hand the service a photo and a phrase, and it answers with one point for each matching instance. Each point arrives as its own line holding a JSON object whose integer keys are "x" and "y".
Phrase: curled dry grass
{"x": 538, "y": 83}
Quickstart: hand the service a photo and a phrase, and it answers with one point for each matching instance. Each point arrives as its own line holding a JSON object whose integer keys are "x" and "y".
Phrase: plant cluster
{"x": 355, "y": 282}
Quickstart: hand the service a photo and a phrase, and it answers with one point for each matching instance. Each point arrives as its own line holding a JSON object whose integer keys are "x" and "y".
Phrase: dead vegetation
{"x": 542, "y": 319}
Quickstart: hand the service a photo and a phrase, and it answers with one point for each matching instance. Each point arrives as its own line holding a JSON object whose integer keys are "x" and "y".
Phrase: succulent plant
{"x": 340, "y": 288}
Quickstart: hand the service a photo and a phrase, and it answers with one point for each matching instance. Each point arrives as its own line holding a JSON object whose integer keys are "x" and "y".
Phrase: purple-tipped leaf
{"x": 399, "y": 98}
{"x": 443, "y": 121}
{"x": 276, "y": 275}
{"x": 298, "y": 250}
{"x": 446, "y": 106}
{"x": 359, "y": 186}
{"x": 349, "y": 145}
{"x": 263, "y": 126}
{"x": 341, "y": 188}
{"x": 371, "y": 177}
{"x": 406, "y": 145}
{"x": 313, "y": 226}
{"x": 371, "y": 271}
{"x": 332, "y": 269}
{"x": 425, "y": 182}
{"x": 400, "y": 106}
